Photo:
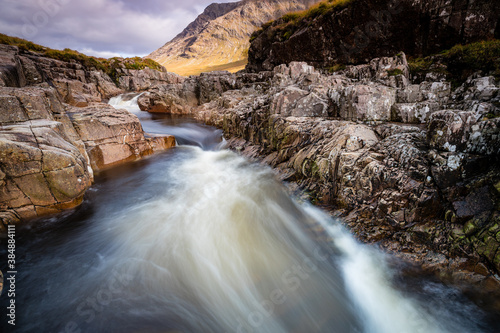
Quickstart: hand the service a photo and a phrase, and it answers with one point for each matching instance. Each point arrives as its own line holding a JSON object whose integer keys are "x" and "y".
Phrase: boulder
{"x": 171, "y": 98}
{"x": 464, "y": 131}
{"x": 413, "y": 113}
{"x": 112, "y": 136}
{"x": 295, "y": 102}
{"x": 44, "y": 172}
{"x": 364, "y": 102}
{"x": 385, "y": 70}
{"x": 139, "y": 80}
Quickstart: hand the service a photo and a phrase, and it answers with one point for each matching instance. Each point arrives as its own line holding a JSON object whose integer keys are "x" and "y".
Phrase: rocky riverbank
{"x": 77, "y": 84}
{"x": 55, "y": 131}
{"x": 412, "y": 167}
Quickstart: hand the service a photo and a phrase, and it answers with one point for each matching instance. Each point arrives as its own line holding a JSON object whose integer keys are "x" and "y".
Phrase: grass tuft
{"x": 394, "y": 72}
{"x": 461, "y": 61}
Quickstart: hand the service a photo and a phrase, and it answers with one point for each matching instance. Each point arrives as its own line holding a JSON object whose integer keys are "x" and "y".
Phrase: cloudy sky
{"x": 104, "y": 28}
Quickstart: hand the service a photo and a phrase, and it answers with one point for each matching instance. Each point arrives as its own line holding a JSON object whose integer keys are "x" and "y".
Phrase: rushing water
{"x": 198, "y": 239}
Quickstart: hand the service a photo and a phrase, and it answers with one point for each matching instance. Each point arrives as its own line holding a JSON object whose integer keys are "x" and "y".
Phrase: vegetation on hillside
{"x": 109, "y": 66}
{"x": 461, "y": 61}
{"x": 288, "y": 24}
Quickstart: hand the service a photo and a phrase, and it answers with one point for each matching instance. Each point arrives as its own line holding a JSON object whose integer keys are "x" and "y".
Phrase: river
{"x": 199, "y": 239}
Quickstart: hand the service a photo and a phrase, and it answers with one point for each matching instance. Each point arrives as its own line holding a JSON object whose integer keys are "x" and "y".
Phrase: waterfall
{"x": 231, "y": 241}
{"x": 127, "y": 102}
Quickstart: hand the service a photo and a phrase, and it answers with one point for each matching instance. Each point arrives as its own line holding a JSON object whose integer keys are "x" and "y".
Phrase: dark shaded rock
{"x": 367, "y": 29}
{"x": 11, "y": 72}
{"x": 474, "y": 204}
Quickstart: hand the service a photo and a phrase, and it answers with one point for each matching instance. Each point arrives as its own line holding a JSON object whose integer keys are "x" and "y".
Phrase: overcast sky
{"x": 104, "y": 28}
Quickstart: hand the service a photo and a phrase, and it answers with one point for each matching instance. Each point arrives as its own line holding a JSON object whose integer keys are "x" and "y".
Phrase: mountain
{"x": 219, "y": 38}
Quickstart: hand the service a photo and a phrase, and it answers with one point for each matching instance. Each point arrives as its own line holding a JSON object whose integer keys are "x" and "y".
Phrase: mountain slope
{"x": 219, "y": 37}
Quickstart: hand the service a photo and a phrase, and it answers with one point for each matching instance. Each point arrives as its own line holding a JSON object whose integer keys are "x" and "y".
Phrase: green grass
{"x": 461, "y": 61}
{"x": 109, "y": 66}
{"x": 21, "y": 43}
{"x": 336, "y": 68}
{"x": 394, "y": 72}
{"x": 466, "y": 59}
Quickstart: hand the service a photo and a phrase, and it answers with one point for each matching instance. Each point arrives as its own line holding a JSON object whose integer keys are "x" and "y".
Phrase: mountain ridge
{"x": 219, "y": 37}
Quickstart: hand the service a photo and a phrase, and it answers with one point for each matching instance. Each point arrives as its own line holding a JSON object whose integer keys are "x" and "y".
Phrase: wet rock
{"x": 110, "y": 136}
{"x": 474, "y": 204}
{"x": 43, "y": 169}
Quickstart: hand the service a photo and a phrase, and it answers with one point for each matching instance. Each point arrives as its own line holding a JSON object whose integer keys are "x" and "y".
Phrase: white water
{"x": 127, "y": 102}
{"x": 232, "y": 241}
{"x": 205, "y": 241}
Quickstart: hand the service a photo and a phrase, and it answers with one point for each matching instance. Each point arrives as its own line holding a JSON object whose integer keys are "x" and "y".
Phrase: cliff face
{"x": 365, "y": 29}
{"x": 219, "y": 37}
{"x": 54, "y": 133}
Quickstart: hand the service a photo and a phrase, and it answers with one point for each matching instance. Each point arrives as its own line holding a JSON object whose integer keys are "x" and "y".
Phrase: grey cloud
{"x": 100, "y": 27}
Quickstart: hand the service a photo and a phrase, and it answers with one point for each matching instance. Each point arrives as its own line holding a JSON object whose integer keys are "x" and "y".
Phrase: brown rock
{"x": 110, "y": 136}
{"x": 44, "y": 164}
